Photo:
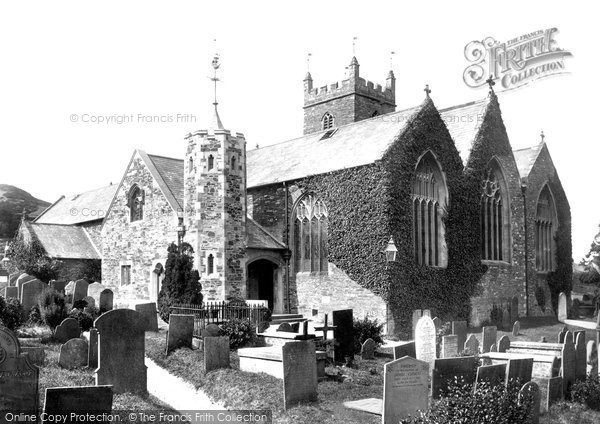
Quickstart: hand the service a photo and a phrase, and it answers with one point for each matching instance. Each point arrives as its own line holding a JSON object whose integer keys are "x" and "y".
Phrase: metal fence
{"x": 221, "y": 312}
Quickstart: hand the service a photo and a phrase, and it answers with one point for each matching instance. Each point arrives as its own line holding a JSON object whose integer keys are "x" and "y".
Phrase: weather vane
{"x": 354, "y": 45}
{"x": 308, "y": 62}
{"x": 392, "y": 53}
{"x": 215, "y": 64}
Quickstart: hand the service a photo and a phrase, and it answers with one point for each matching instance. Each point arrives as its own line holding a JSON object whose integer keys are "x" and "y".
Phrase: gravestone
{"x": 472, "y": 345}
{"x": 12, "y": 279}
{"x": 503, "y": 344}
{"x": 568, "y": 364}
{"x": 459, "y": 329}
{"x": 216, "y": 353}
{"x": 530, "y": 393}
{"x": 37, "y": 354}
{"x": 80, "y": 290}
{"x": 59, "y": 286}
{"x": 181, "y": 331}
{"x": 93, "y": 350}
{"x": 516, "y": 328}
{"x": 18, "y": 377}
{"x": 73, "y": 354}
{"x": 69, "y": 288}
{"x": 106, "y": 300}
{"x": 78, "y": 400}
{"x": 514, "y": 309}
{"x": 68, "y": 329}
{"x": 91, "y": 302}
{"x": 416, "y": 316}
{"x": 488, "y": 338}
{"x": 506, "y": 320}
{"x": 404, "y": 349}
{"x": 211, "y": 330}
{"x": 344, "y": 335}
{"x": 591, "y": 358}
{"x": 367, "y": 350}
{"x": 575, "y": 309}
{"x": 580, "y": 356}
{"x": 23, "y": 278}
{"x": 11, "y": 292}
{"x": 425, "y": 340}
{"x": 449, "y": 346}
{"x": 562, "y": 307}
{"x": 491, "y": 374}
{"x": 553, "y": 393}
{"x": 299, "y": 372}
{"x": 286, "y": 327}
{"x": 30, "y": 291}
{"x": 148, "y": 311}
{"x": 405, "y": 389}
{"x": 494, "y": 348}
{"x": 569, "y": 337}
{"x": 561, "y": 335}
{"x": 437, "y": 323}
{"x": 445, "y": 371}
{"x": 121, "y": 348}
{"x": 94, "y": 290}
{"x": 520, "y": 369}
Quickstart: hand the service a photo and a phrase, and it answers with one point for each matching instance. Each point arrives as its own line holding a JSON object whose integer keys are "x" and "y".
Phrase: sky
{"x": 66, "y": 65}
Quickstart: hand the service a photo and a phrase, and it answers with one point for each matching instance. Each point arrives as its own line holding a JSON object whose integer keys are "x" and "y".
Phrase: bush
{"x": 444, "y": 330}
{"x": 365, "y": 329}
{"x": 487, "y": 404}
{"x": 587, "y": 392}
{"x": 52, "y": 307}
{"x": 85, "y": 318}
{"x": 11, "y": 313}
{"x": 240, "y": 332}
{"x": 35, "y": 318}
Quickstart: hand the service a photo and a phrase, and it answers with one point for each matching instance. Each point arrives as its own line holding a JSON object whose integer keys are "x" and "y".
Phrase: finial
{"x": 542, "y": 136}
{"x": 308, "y": 62}
{"x": 491, "y": 83}
{"x": 427, "y": 90}
{"x": 392, "y": 53}
{"x": 354, "y": 45}
{"x": 216, "y": 64}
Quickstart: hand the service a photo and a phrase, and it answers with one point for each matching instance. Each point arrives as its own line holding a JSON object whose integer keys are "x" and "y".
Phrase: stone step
{"x": 290, "y": 320}
{"x": 285, "y": 316}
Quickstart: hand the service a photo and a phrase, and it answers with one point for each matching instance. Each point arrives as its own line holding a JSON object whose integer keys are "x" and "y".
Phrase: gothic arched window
{"x": 233, "y": 163}
{"x": 211, "y": 162}
{"x": 191, "y": 165}
{"x": 310, "y": 221}
{"x": 327, "y": 121}
{"x": 494, "y": 216}
{"x": 545, "y": 229}
{"x": 135, "y": 202}
{"x": 210, "y": 264}
{"x": 429, "y": 198}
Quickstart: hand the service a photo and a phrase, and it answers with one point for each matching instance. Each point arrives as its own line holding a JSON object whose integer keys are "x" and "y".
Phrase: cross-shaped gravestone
{"x": 325, "y": 328}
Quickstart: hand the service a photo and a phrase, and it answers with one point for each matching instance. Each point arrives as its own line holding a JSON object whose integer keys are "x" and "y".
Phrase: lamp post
{"x": 391, "y": 250}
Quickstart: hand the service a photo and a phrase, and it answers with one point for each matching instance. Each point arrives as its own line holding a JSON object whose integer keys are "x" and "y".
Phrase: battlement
{"x": 349, "y": 86}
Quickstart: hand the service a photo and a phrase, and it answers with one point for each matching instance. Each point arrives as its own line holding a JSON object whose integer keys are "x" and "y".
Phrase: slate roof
{"x": 64, "y": 241}
{"x": 171, "y": 171}
{"x": 83, "y": 207}
{"x": 259, "y": 238}
{"x": 526, "y": 158}
{"x": 463, "y": 122}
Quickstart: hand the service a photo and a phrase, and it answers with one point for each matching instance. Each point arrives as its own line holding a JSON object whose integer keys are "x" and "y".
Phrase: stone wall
{"x": 139, "y": 244}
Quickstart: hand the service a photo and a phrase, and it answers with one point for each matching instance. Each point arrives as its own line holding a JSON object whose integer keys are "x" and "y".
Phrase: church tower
{"x": 215, "y": 206}
{"x": 350, "y": 100}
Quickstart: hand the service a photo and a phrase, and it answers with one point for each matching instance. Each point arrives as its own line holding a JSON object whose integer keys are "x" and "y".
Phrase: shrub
{"x": 85, "y": 318}
{"x": 240, "y": 332}
{"x": 11, "y": 313}
{"x": 365, "y": 329}
{"x": 487, "y": 404}
{"x": 79, "y": 304}
{"x": 35, "y": 318}
{"x": 587, "y": 392}
{"x": 52, "y": 307}
{"x": 181, "y": 283}
{"x": 496, "y": 316}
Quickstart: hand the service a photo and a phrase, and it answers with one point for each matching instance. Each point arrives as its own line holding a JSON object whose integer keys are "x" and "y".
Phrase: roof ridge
{"x": 164, "y": 157}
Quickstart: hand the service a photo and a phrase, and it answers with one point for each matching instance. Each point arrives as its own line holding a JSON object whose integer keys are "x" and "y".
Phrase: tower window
{"x": 191, "y": 164}
{"x": 211, "y": 162}
{"x": 327, "y": 121}
{"x": 429, "y": 200}
{"x": 210, "y": 264}
{"x": 135, "y": 202}
{"x": 310, "y": 235}
{"x": 545, "y": 229}
{"x": 233, "y": 163}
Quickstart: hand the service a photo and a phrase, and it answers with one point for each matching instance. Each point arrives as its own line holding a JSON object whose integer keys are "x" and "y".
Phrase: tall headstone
{"x": 73, "y": 354}
{"x": 12, "y": 279}
{"x": 93, "y": 350}
{"x": 488, "y": 338}
{"x": 30, "y": 292}
{"x": 447, "y": 371}
{"x": 503, "y": 344}
{"x": 437, "y": 323}
{"x": 148, "y": 310}
{"x": 491, "y": 374}
{"x": 516, "y": 328}
{"x": 58, "y": 285}
{"x": 459, "y": 329}
{"x": 591, "y": 359}
{"x": 561, "y": 335}
{"x": 18, "y": 377}
{"x": 530, "y": 394}
{"x": 580, "y": 356}
{"x": 78, "y": 400}
{"x": 519, "y": 369}
{"x": 405, "y": 387}
{"x": 106, "y": 300}
{"x": 449, "y": 347}
{"x": 69, "y": 289}
{"x": 562, "y": 307}
{"x": 367, "y": 350}
{"x": 344, "y": 335}
{"x": 216, "y": 353}
{"x": 425, "y": 340}
{"x": 472, "y": 345}
{"x": 121, "y": 351}
{"x": 181, "y": 331}
{"x": 553, "y": 393}
{"x": 568, "y": 364}
{"x": 575, "y": 313}
{"x": 11, "y": 292}
{"x": 23, "y": 278}
{"x": 299, "y": 372}
{"x": 416, "y": 316}
{"x": 514, "y": 309}
{"x": 404, "y": 349}
{"x": 80, "y": 290}
{"x": 94, "y": 290}
{"x": 67, "y": 330}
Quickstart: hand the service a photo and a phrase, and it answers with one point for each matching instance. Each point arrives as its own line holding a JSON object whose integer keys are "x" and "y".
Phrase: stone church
{"x": 373, "y": 209}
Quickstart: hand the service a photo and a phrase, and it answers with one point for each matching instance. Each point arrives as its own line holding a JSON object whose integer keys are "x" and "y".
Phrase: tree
{"x": 30, "y": 257}
{"x": 181, "y": 283}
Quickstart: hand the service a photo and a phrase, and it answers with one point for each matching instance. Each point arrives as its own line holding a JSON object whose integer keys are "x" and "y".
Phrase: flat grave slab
{"x": 370, "y": 405}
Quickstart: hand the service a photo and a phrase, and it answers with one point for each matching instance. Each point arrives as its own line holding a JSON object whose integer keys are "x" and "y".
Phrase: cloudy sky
{"x": 74, "y": 61}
